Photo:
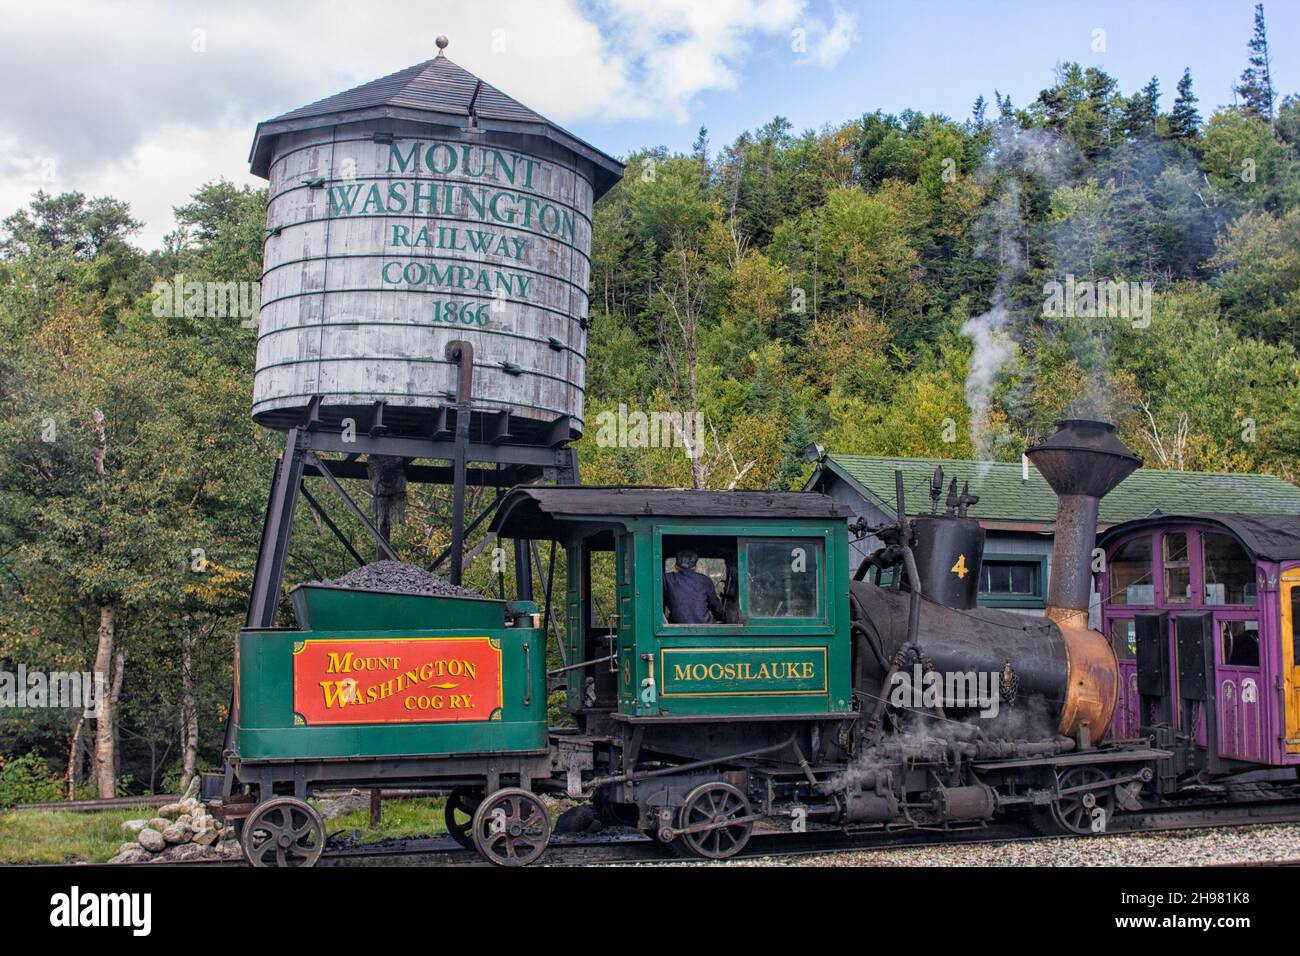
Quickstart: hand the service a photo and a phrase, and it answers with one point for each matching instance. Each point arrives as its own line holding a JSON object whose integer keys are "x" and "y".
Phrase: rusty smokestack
{"x": 1082, "y": 461}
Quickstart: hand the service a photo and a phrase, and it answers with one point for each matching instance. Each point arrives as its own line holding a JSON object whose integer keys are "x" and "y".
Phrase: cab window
{"x": 714, "y": 557}
{"x": 783, "y": 577}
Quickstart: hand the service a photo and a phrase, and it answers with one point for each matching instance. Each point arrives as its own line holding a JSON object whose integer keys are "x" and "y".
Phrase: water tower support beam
{"x": 385, "y": 548}
{"x": 461, "y": 353}
{"x": 338, "y": 533}
{"x": 273, "y": 550}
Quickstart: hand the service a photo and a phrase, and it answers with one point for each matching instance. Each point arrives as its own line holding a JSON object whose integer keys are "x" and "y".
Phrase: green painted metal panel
{"x": 270, "y": 727}
{"x": 326, "y": 607}
{"x": 742, "y": 671}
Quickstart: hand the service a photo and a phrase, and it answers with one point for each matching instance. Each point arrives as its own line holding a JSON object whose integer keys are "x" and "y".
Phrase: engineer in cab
{"x": 689, "y": 596}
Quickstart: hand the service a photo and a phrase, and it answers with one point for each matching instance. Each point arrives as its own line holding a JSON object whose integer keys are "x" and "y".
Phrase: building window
{"x": 1178, "y": 570}
{"x": 1229, "y": 571}
{"x": 1011, "y": 581}
{"x": 1130, "y": 573}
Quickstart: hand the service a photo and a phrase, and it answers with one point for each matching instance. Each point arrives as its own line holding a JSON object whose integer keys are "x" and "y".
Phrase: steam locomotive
{"x": 880, "y": 696}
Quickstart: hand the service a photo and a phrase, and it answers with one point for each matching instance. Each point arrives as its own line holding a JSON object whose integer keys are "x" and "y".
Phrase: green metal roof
{"x": 1008, "y": 500}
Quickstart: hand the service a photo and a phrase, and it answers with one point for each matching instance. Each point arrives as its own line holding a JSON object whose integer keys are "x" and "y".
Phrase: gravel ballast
{"x": 399, "y": 576}
{"x": 1225, "y": 845}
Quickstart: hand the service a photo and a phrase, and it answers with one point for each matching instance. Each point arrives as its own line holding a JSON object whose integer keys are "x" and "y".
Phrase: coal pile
{"x": 399, "y": 576}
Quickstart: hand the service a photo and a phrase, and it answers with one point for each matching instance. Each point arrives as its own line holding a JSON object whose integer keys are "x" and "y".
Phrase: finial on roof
{"x": 442, "y": 42}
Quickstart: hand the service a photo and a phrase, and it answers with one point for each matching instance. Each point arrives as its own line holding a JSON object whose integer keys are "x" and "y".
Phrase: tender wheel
{"x": 283, "y": 832}
{"x": 511, "y": 828}
{"x": 1075, "y": 812}
{"x": 458, "y": 813}
{"x": 715, "y": 802}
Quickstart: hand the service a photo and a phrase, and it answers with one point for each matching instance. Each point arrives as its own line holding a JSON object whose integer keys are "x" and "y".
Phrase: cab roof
{"x": 542, "y": 511}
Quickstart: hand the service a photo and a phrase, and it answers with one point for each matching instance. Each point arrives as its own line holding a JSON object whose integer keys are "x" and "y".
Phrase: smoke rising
{"x": 1017, "y": 161}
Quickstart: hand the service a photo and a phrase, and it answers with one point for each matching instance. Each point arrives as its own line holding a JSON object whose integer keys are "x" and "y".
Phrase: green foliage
{"x": 27, "y": 779}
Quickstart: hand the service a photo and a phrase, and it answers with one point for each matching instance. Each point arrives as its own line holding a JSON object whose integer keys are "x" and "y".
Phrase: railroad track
{"x": 630, "y": 848}
{"x": 587, "y": 850}
{"x": 108, "y": 803}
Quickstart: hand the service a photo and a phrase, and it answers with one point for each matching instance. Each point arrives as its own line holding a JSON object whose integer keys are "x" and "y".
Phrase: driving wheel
{"x": 1078, "y": 812}
{"x": 715, "y": 804}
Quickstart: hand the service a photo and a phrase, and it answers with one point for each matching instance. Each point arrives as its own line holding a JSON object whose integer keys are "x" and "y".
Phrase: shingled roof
{"x": 1007, "y": 501}
{"x": 437, "y": 86}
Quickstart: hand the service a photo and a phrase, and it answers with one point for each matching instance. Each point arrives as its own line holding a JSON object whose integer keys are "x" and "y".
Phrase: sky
{"x": 146, "y": 101}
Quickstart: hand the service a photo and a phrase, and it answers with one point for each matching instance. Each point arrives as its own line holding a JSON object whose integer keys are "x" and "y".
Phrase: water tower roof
{"x": 437, "y": 86}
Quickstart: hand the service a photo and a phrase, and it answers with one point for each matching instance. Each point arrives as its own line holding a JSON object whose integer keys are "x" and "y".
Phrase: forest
{"x": 892, "y": 285}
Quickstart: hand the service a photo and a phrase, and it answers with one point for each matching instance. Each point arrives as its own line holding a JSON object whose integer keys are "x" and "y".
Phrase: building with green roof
{"x": 1018, "y": 509}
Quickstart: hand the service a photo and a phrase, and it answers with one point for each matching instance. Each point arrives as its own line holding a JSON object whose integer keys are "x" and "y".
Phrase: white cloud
{"x": 836, "y": 40}
{"x": 824, "y": 44}
{"x": 114, "y": 98}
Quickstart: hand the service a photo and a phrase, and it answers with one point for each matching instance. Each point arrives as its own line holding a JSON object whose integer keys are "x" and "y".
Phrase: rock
{"x": 178, "y": 833}
{"x": 192, "y": 791}
{"x": 356, "y": 800}
{"x": 230, "y": 850}
{"x": 206, "y": 837}
{"x": 159, "y": 823}
{"x": 152, "y": 840}
{"x": 186, "y": 819}
{"x": 189, "y": 853}
{"x": 134, "y": 826}
{"x": 171, "y": 811}
{"x": 135, "y": 854}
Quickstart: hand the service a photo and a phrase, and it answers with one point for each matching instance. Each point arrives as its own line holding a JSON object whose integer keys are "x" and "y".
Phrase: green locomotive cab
{"x": 707, "y": 654}
{"x": 774, "y": 641}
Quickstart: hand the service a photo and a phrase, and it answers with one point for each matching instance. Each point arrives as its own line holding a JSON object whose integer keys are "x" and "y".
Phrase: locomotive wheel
{"x": 283, "y": 832}
{"x": 716, "y": 803}
{"x": 458, "y": 814}
{"x": 1073, "y": 812}
{"x": 511, "y": 828}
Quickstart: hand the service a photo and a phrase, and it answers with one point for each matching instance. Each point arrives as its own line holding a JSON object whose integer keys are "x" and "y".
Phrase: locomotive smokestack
{"x": 1082, "y": 461}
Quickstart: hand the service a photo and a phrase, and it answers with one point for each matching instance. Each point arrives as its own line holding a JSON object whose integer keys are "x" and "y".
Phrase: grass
{"x": 60, "y": 836}
{"x": 407, "y": 817}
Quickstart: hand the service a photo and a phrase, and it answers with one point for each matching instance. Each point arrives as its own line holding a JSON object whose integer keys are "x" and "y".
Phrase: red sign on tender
{"x": 411, "y": 680}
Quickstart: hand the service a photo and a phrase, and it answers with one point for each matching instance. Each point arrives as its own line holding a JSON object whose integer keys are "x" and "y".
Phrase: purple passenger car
{"x": 1202, "y": 613}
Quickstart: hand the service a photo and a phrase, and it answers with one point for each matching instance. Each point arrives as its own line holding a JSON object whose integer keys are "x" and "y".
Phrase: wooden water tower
{"x": 424, "y": 298}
